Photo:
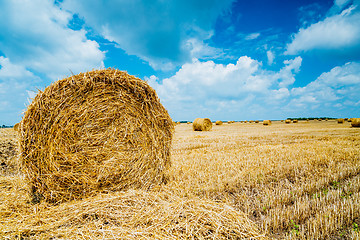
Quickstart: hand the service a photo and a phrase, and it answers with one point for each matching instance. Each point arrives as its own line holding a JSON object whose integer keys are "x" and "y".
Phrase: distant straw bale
{"x": 267, "y": 122}
{"x": 188, "y": 122}
{"x": 257, "y": 121}
{"x": 340, "y": 120}
{"x": 355, "y": 122}
{"x": 16, "y": 127}
{"x": 202, "y": 124}
{"x": 295, "y": 121}
{"x": 218, "y": 122}
{"x": 99, "y": 131}
{"x": 287, "y": 121}
{"x": 350, "y": 119}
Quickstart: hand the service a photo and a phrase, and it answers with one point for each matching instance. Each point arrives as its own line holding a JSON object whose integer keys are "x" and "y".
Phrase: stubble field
{"x": 283, "y": 181}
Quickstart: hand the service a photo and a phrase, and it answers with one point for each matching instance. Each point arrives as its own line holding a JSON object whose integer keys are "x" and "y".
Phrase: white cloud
{"x": 213, "y": 89}
{"x": 270, "y": 57}
{"x": 335, "y": 88}
{"x": 13, "y": 90}
{"x": 38, "y": 47}
{"x": 155, "y": 31}
{"x": 340, "y": 32}
{"x": 35, "y": 35}
{"x": 252, "y": 36}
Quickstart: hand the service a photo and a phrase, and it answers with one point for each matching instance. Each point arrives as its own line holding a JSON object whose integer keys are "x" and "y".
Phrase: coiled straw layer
{"x": 99, "y": 131}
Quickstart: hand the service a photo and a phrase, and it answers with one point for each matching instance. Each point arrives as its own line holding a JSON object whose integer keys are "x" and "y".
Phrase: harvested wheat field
{"x": 283, "y": 181}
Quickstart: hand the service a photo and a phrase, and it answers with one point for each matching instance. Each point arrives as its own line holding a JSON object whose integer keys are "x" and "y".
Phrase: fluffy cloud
{"x": 339, "y": 33}
{"x": 156, "y": 31}
{"x": 240, "y": 89}
{"x": 341, "y": 83}
{"x": 246, "y": 90}
{"x": 35, "y": 34}
{"x": 13, "y": 90}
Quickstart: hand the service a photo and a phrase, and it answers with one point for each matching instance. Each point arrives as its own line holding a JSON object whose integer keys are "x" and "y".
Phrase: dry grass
{"x": 297, "y": 181}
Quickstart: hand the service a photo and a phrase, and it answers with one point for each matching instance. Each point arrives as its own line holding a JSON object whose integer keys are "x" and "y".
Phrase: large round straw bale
{"x": 355, "y": 122}
{"x": 295, "y": 121}
{"x": 267, "y": 122}
{"x": 202, "y": 124}
{"x": 287, "y": 121}
{"x": 218, "y": 122}
{"x": 340, "y": 120}
{"x": 103, "y": 130}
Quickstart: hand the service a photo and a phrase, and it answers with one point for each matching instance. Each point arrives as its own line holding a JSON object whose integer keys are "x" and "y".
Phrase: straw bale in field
{"x": 287, "y": 121}
{"x": 267, "y": 122}
{"x": 103, "y": 130}
{"x": 355, "y": 122}
{"x": 257, "y": 121}
{"x": 16, "y": 127}
{"x": 133, "y": 214}
{"x": 340, "y": 120}
{"x": 202, "y": 124}
{"x": 218, "y": 122}
{"x": 188, "y": 123}
{"x": 295, "y": 121}
{"x": 350, "y": 119}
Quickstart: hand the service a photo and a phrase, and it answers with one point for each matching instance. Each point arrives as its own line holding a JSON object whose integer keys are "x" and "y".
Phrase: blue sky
{"x": 222, "y": 59}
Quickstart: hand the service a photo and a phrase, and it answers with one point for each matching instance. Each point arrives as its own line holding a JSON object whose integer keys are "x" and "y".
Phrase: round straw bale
{"x": 340, "y": 120}
{"x": 295, "y": 121}
{"x": 16, "y": 127}
{"x": 188, "y": 122}
{"x": 99, "y": 131}
{"x": 218, "y": 122}
{"x": 267, "y": 122}
{"x": 355, "y": 122}
{"x": 287, "y": 121}
{"x": 256, "y": 121}
{"x": 202, "y": 124}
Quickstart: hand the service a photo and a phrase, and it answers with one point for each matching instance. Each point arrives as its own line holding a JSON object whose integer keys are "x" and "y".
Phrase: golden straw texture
{"x": 287, "y": 121}
{"x": 340, "y": 120}
{"x": 103, "y": 130}
{"x": 132, "y": 214}
{"x": 202, "y": 124}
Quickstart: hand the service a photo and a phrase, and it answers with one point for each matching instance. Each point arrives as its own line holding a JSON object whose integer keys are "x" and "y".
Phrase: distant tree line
{"x": 311, "y": 118}
{"x": 4, "y": 126}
